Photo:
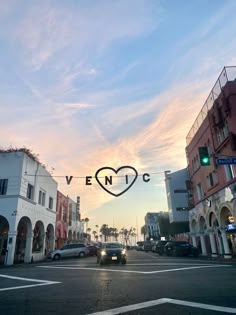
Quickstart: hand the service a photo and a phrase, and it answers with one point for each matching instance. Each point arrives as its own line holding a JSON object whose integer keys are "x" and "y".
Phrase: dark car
{"x": 92, "y": 250}
{"x": 159, "y": 247}
{"x": 111, "y": 252}
{"x": 179, "y": 248}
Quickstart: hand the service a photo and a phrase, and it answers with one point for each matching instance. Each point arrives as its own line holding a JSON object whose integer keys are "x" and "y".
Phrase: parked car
{"x": 159, "y": 247}
{"x": 69, "y": 250}
{"x": 92, "y": 250}
{"x": 139, "y": 246}
{"x": 111, "y": 252}
{"x": 147, "y": 246}
{"x": 179, "y": 248}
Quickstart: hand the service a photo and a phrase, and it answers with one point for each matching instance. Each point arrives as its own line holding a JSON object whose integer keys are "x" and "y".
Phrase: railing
{"x": 227, "y": 74}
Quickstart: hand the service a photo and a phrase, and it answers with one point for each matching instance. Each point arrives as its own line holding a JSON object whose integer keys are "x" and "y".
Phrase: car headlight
{"x": 103, "y": 252}
{"x": 123, "y": 252}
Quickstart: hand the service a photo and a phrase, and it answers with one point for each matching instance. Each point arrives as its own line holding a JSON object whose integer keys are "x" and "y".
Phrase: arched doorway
{"x": 4, "y": 228}
{"x": 38, "y": 237}
{"x": 24, "y": 230}
{"x": 214, "y": 224}
{"x": 203, "y": 229}
{"x": 226, "y": 220}
{"x": 49, "y": 240}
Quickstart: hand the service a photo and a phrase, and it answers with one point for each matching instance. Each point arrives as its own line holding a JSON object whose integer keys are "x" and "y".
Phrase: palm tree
{"x": 88, "y": 230}
{"x": 94, "y": 233}
{"x": 144, "y": 231}
{"x": 86, "y": 220}
{"x": 104, "y": 231}
{"x": 97, "y": 227}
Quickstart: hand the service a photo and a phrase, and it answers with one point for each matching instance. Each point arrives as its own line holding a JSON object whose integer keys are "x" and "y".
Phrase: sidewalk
{"x": 219, "y": 258}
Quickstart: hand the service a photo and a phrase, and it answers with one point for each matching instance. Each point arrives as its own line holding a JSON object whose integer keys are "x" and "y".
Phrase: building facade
{"x": 62, "y": 220}
{"x": 212, "y": 188}
{"x": 27, "y": 208}
{"x": 75, "y": 227}
{"x": 177, "y": 195}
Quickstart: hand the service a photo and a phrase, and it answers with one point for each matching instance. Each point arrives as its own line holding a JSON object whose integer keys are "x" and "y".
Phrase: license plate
{"x": 113, "y": 258}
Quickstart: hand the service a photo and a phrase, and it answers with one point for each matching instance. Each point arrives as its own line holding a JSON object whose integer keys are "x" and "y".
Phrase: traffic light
{"x": 204, "y": 156}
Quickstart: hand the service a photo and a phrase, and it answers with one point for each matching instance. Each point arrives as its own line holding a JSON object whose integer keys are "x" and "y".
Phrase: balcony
{"x": 227, "y": 74}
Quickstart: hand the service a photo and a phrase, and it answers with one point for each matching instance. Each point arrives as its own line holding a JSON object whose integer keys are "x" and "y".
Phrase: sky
{"x": 93, "y": 84}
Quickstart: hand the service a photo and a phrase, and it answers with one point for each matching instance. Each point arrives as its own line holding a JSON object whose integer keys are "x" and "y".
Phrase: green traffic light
{"x": 204, "y": 156}
{"x": 205, "y": 160}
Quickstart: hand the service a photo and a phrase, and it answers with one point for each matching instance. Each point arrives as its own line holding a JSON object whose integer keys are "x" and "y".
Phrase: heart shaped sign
{"x": 125, "y": 173}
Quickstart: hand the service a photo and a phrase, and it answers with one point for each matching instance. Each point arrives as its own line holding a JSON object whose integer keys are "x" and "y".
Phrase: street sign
{"x": 231, "y": 160}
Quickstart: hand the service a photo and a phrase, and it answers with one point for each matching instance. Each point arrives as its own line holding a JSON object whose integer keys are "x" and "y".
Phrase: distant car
{"x": 69, "y": 250}
{"x": 139, "y": 246}
{"x": 111, "y": 252}
{"x": 159, "y": 247}
{"x": 147, "y": 246}
{"x": 92, "y": 250}
{"x": 180, "y": 248}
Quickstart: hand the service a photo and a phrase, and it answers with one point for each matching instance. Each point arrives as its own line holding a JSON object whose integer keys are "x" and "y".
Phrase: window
{"x": 64, "y": 214}
{"x": 42, "y": 196}
{"x": 199, "y": 191}
{"x": 30, "y": 192}
{"x": 180, "y": 191}
{"x": 229, "y": 172}
{"x": 3, "y": 186}
{"x": 212, "y": 179}
{"x": 70, "y": 214}
{"x": 50, "y": 203}
{"x": 222, "y": 133}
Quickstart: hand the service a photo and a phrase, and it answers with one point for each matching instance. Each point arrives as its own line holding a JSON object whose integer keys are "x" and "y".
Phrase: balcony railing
{"x": 227, "y": 74}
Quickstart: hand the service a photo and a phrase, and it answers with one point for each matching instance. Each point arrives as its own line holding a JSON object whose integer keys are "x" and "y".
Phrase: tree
{"x": 104, "y": 231}
{"x": 86, "y": 220}
{"x": 94, "y": 234}
{"x": 144, "y": 231}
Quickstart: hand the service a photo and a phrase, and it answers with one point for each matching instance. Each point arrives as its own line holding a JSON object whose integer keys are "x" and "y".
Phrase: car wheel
{"x": 56, "y": 257}
{"x": 82, "y": 254}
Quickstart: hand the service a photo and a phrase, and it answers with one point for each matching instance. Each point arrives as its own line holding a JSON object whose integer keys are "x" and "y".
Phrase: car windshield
{"x": 117, "y": 157}
{"x": 112, "y": 245}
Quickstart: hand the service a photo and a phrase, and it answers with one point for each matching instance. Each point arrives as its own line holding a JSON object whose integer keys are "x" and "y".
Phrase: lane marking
{"x": 39, "y": 282}
{"x": 132, "y": 271}
{"x": 138, "y": 264}
{"x": 134, "y": 307}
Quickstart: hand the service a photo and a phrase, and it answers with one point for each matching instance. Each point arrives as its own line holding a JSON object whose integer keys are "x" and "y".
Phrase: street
{"x": 148, "y": 284}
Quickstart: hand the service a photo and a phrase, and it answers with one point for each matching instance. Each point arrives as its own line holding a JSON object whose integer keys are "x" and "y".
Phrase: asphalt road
{"x": 148, "y": 284}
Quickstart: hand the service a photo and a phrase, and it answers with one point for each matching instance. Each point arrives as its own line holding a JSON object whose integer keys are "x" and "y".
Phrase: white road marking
{"x": 134, "y": 307}
{"x": 132, "y": 271}
{"x": 40, "y": 283}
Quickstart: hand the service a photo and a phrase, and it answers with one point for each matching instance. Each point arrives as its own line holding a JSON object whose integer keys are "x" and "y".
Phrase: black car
{"x": 92, "y": 250}
{"x": 179, "y": 248}
{"x": 111, "y": 252}
{"x": 159, "y": 247}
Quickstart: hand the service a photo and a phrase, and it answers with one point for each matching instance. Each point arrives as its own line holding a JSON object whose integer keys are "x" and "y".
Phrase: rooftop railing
{"x": 227, "y": 74}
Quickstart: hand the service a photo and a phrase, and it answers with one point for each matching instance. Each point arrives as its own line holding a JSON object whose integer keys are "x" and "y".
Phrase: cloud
{"x": 47, "y": 29}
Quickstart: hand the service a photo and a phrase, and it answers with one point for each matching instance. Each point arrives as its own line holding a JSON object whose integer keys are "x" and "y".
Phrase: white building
{"x": 27, "y": 208}
{"x": 75, "y": 226}
{"x": 177, "y": 195}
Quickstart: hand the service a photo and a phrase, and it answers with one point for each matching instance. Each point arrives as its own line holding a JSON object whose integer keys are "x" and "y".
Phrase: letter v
{"x": 69, "y": 179}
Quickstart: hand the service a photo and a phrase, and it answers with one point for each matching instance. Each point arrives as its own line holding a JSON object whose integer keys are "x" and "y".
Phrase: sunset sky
{"x": 89, "y": 84}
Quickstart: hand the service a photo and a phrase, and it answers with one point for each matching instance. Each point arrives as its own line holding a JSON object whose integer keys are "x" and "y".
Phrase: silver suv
{"x": 69, "y": 250}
